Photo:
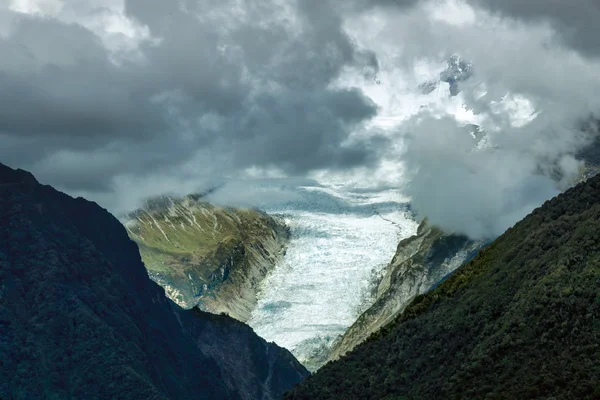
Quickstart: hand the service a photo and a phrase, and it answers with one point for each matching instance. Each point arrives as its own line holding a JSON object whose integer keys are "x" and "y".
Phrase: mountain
{"x": 80, "y": 319}
{"x": 420, "y": 262}
{"x": 208, "y": 256}
{"x": 458, "y": 70}
{"x": 519, "y": 321}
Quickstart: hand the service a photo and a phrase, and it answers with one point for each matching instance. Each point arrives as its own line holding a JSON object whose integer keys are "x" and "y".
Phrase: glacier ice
{"x": 339, "y": 239}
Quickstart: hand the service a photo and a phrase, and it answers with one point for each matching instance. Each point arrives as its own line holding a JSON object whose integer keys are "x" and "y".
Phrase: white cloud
{"x": 528, "y": 91}
{"x": 151, "y": 95}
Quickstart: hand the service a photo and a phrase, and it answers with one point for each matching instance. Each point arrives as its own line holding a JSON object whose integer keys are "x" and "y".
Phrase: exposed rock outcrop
{"x": 80, "y": 319}
{"x": 208, "y": 256}
{"x": 420, "y": 262}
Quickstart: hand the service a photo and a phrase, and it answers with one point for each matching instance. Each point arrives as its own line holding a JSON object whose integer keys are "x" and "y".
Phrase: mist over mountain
{"x": 518, "y": 321}
{"x": 291, "y": 92}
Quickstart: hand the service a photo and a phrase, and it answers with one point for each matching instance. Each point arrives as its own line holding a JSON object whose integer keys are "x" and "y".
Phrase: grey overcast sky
{"x": 117, "y": 100}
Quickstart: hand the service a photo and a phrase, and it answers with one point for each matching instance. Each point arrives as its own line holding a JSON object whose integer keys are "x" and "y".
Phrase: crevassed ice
{"x": 339, "y": 241}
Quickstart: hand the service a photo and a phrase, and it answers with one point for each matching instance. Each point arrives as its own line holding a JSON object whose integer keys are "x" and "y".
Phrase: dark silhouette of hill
{"x": 80, "y": 319}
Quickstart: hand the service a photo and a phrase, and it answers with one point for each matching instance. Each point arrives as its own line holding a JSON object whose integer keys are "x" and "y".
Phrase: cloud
{"x": 122, "y": 99}
{"x": 264, "y": 194}
{"x": 528, "y": 91}
{"x": 576, "y": 23}
{"x": 219, "y": 87}
{"x": 477, "y": 192}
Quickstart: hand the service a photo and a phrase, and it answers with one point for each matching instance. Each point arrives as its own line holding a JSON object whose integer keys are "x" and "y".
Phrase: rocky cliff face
{"x": 205, "y": 255}
{"x": 420, "y": 262}
{"x": 80, "y": 319}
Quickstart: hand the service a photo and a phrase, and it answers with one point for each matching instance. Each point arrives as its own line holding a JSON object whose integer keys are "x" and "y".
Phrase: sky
{"x": 119, "y": 100}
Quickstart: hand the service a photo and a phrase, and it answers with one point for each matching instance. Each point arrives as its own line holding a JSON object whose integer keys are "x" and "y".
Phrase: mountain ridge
{"x": 420, "y": 262}
{"x": 81, "y": 319}
{"x": 517, "y": 321}
{"x": 205, "y": 255}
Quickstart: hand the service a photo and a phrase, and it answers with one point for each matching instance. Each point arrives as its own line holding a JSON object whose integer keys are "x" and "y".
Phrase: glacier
{"x": 340, "y": 241}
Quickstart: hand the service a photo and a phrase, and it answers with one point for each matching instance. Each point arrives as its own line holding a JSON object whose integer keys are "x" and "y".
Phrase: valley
{"x": 317, "y": 272}
{"x": 340, "y": 243}
{"x": 299, "y": 274}
{"x": 299, "y": 200}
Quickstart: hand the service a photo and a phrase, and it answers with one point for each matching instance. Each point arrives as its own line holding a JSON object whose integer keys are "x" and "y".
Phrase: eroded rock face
{"x": 80, "y": 319}
{"x": 420, "y": 262}
{"x": 208, "y": 256}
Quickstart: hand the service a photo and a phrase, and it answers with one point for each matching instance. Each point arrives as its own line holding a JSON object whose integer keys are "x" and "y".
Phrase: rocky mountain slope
{"x": 80, "y": 319}
{"x": 420, "y": 262}
{"x": 205, "y": 255}
{"x": 517, "y": 322}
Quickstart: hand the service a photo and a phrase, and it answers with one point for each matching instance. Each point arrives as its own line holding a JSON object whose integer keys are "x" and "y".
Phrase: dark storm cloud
{"x": 56, "y": 81}
{"x": 576, "y": 21}
{"x": 62, "y": 104}
{"x": 247, "y": 84}
{"x": 315, "y": 125}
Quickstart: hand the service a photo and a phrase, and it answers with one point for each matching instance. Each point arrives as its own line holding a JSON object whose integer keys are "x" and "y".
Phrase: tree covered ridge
{"x": 518, "y": 321}
{"x": 80, "y": 318}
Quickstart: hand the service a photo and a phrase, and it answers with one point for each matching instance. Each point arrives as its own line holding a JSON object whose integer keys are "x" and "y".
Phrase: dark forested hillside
{"x": 80, "y": 319}
{"x": 520, "y": 321}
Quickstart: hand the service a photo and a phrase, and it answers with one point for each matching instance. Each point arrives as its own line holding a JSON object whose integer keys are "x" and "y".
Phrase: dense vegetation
{"x": 80, "y": 319}
{"x": 520, "y": 321}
